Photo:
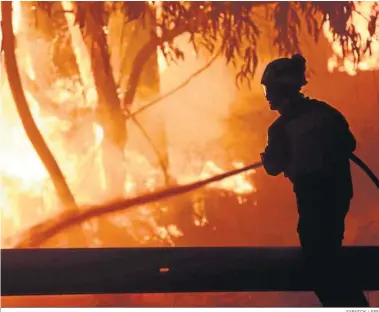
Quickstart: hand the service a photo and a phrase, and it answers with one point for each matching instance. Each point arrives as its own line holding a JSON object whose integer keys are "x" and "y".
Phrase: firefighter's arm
{"x": 272, "y": 168}
{"x": 347, "y": 140}
{"x": 350, "y": 139}
{"x": 274, "y": 157}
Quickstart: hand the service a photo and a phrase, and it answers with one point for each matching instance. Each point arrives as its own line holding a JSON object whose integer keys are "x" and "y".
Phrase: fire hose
{"x": 360, "y": 163}
{"x": 39, "y": 233}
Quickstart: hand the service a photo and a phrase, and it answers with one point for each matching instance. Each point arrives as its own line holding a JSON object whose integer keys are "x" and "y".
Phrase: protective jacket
{"x": 311, "y": 145}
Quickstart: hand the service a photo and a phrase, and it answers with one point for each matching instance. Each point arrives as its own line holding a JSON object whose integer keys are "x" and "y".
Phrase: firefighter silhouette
{"x": 311, "y": 144}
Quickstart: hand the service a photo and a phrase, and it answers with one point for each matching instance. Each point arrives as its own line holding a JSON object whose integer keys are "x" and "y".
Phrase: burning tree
{"x": 111, "y": 49}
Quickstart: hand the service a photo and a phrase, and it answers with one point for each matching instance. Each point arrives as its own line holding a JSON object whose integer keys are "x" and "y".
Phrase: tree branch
{"x": 177, "y": 88}
{"x": 31, "y": 129}
{"x": 157, "y": 100}
{"x": 39, "y": 233}
{"x": 148, "y": 138}
{"x": 141, "y": 59}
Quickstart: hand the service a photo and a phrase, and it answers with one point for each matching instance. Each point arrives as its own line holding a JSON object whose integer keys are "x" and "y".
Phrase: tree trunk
{"x": 111, "y": 115}
{"x": 31, "y": 129}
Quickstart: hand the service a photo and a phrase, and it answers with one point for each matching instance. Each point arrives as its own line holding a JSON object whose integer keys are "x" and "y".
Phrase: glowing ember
{"x": 368, "y": 62}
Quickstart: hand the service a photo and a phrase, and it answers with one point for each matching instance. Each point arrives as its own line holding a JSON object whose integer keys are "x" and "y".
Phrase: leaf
{"x": 232, "y": 23}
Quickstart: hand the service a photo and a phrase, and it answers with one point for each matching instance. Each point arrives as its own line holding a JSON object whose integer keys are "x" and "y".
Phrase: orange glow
{"x": 16, "y": 16}
{"x": 164, "y": 270}
{"x": 368, "y": 62}
{"x": 27, "y": 196}
{"x": 194, "y": 120}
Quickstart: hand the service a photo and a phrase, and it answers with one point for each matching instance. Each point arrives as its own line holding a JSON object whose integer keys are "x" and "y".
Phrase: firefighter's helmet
{"x": 286, "y": 72}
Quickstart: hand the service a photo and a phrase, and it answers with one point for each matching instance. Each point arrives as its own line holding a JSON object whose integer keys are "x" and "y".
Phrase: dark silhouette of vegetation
{"x": 232, "y": 23}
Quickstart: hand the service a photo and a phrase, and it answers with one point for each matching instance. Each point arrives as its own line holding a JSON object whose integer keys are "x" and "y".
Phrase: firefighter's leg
{"x": 321, "y": 240}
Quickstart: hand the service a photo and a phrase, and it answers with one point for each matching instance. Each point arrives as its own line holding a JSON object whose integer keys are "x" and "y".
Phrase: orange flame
{"x": 27, "y": 196}
{"x": 368, "y": 62}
